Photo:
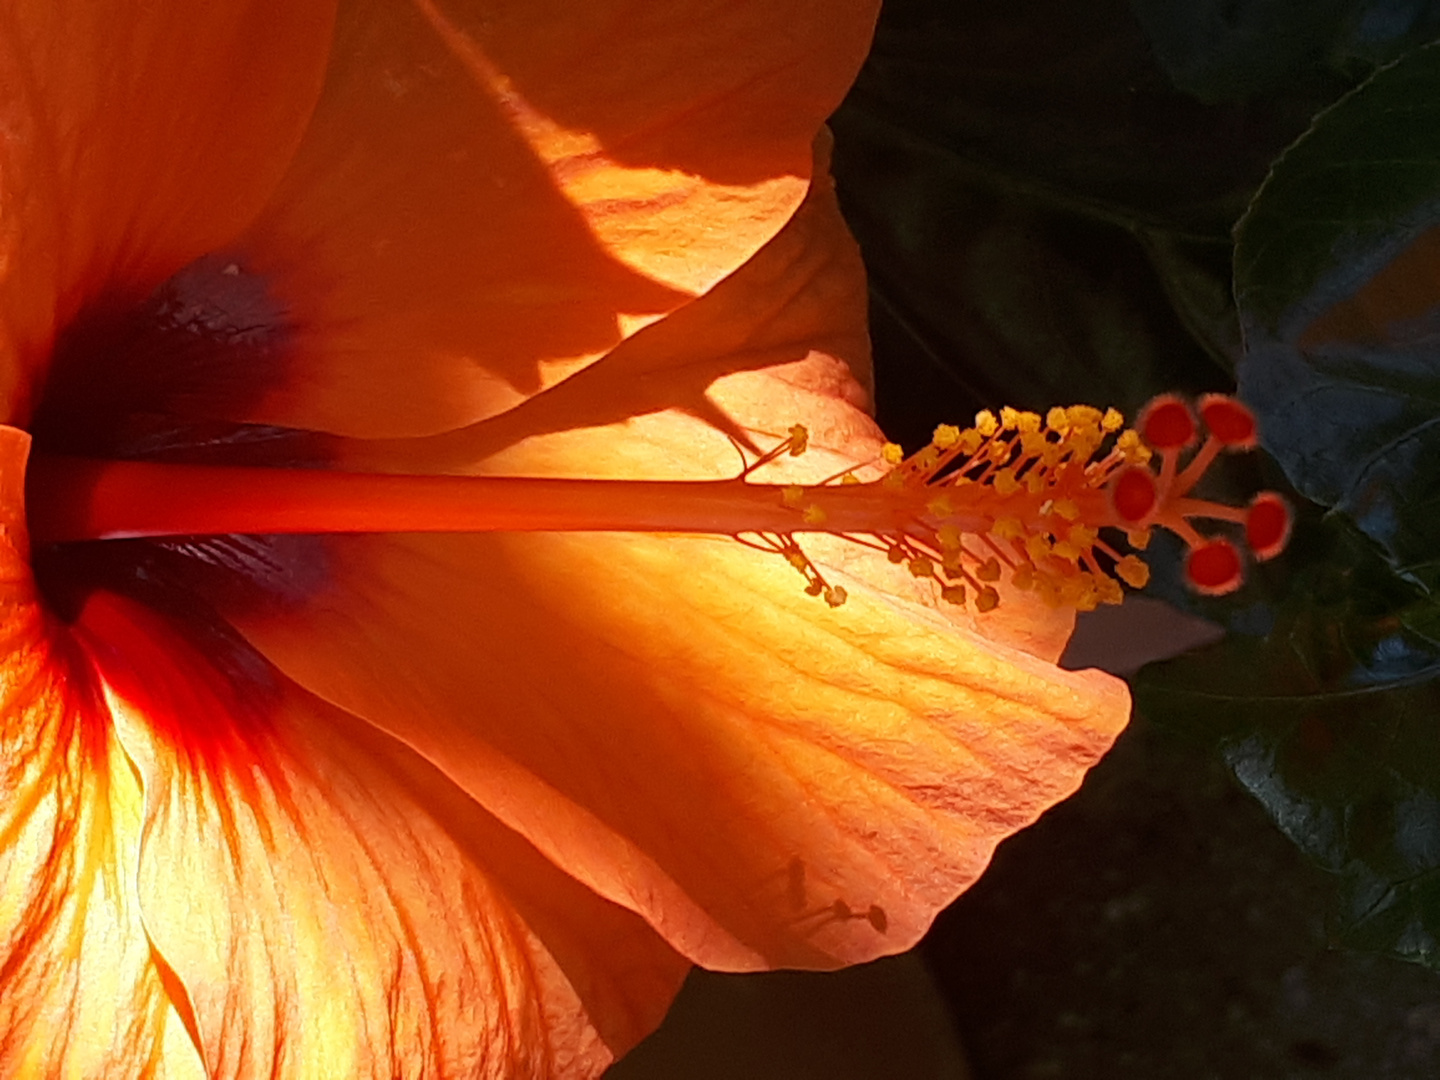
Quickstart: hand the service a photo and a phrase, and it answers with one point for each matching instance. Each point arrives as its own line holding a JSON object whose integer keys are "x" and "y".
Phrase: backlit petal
{"x": 803, "y": 291}
{"x": 200, "y": 868}
{"x": 137, "y": 137}
{"x": 639, "y": 692}
{"x": 494, "y": 195}
{"x": 344, "y": 910}
{"x": 333, "y": 906}
{"x": 80, "y": 995}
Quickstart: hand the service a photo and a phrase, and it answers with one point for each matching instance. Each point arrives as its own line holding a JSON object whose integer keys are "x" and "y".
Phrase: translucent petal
{"x": 333, "y": 905}
{"x": 203, "y": 863}
{"x": 80, "y": 993}
{"x": 492, "y": 196}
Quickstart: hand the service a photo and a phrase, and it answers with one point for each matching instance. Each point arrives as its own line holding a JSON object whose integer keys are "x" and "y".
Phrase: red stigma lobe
{"x": 1167, "y": 424}
{"x": 1214, "y": 568}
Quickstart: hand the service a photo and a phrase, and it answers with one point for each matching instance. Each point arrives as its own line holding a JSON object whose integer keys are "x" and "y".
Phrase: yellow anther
{"x": 1023, "y": 577}
{"x": 1084, "y": 416}
{"x": 1112, "y": 421}
{"x": 792, "y": 496}
{"x": 987, "y": 599}
{"x": 1033, "y": 442}
{"x": 1083, "y": 442}
{"x": 941, "y": 506}
{"x": 1007, "y": 528}
{"x": 1037, "y": 547}
{"x": 1057, "y": 420}
{"x": 1132, "y": 447}
{"x": 999, "y": 452}
{"x": 1048, "y": 591}
{"x": 946, "y": 436}
{"x": 1009, "y": 418}
{"x": 1109, "y": 590}
{"x": 813, "y": 515}
{"x": 953, "y": 594}
{"x": 1067, "y": 550}
{"x": 849, "y": 478}
{"x": 892, "y": 453}
{"x": 1139, "y": 539}
{"x": 927, "y": 458}
{"x": 797, "y": 559}
{"x": 1034, "y": 482}
{"x": 949, "y": 537}
{"x": 985, "y": 423}
{"x": 1133, "y": 571}
{"x": 970, "y": 440}
{"x": 1005, "y": 482}
{"x": 1082, "y": 535}
{"x": 1066, "y": 509}
{"x": 799, "y": 439}
{"x": 897, "y": 554}
{"x": 894, "y": 481}
{"x": 835, "y": 595}
{"x": 920, "y": 566}
{"x": 989, "y": 570}
{"x": 1028, "y": 422}
{"x": 1073, "y": 588}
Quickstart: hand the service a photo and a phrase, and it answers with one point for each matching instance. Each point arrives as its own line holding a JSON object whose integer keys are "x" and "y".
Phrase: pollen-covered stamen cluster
{"x": 1023, "y": 498}
{"x": 1015, "y": 497}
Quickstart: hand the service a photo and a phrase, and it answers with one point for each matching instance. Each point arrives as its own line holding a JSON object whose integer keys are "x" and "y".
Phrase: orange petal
{"x": 491, "y": 198}
{"x": 677, "y": 724}
{"x": 194, "y": 869}
{"x": 329, "y": 900}
{"x": 804, "y": 290}
{"x": 129, "y": 150}
{"x": 79, "y": 993}
{"x": 767, "y": 781}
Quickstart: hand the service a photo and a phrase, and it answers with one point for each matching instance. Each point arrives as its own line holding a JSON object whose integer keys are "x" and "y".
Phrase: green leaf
{"x": 1337, "y": 276}
{"x": 1199, "y": 293}
{"x": 1043, "y": 216}
{"x": 1224, "y": 50}
{"x": 1328, "y": 714}
{"x": 1232, "y": 50}
{"x": 986, "y": 299}
{"x": 1064, "y": 104}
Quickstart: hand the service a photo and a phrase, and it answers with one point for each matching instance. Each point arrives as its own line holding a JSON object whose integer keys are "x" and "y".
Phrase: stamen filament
{"x": 1197, "y": 467}
{"x": 1203, "y": 508}
{"x": 73, "y": 499}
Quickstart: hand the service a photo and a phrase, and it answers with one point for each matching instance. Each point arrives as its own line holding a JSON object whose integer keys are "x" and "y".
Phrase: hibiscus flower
{"x": 282, "y": 800}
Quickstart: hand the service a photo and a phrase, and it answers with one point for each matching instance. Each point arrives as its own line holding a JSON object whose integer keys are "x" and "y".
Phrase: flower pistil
{"x": 1015, "y": 497}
